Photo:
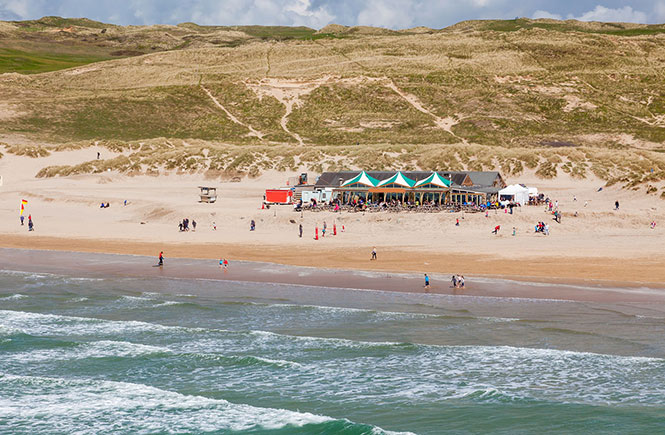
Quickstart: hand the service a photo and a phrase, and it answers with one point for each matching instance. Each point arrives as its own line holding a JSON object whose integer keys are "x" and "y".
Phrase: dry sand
{"x": 599, "y": 244}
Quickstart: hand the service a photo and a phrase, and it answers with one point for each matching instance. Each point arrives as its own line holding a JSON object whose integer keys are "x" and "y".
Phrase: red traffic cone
{"x": 263, "y": 206}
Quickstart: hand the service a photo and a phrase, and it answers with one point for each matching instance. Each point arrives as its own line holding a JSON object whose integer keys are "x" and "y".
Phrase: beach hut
{"x": 208, "y": 194}
{"x": 514, "y": 193}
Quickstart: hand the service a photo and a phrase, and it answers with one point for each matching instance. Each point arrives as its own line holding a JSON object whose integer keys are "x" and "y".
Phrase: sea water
{"x": 129, "y": 355}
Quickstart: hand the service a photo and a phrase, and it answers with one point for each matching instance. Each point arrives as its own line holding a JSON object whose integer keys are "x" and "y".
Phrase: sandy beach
{"x": 599, "y": 244}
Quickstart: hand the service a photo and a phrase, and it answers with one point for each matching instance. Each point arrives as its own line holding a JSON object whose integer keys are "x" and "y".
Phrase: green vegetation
{"x": 618, "y": 29}
{"x": 12, "y": 60}
{"x": 550, "y": 97}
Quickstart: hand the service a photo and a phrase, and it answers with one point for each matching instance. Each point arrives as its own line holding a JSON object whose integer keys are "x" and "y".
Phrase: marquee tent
{"x": 514, "y": 193}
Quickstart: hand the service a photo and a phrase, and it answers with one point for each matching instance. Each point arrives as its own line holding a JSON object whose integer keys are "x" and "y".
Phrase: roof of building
{"x": 399, "y": 179}
{"x": 362, "y": 178}
{"x": 434, "y": 179}
{"x": 477, "y": 179}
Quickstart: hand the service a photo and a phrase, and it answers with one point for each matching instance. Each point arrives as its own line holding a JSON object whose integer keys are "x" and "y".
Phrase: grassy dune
{"x": 551, "y": 96}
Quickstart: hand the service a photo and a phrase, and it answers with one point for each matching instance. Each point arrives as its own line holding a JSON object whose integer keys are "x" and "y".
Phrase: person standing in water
{"x": 426, "y": 283}
{"x": 454, "y": 281}
{"x": 161, "y": 258}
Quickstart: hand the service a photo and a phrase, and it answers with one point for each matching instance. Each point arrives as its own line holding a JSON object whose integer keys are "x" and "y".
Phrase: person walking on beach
{"x": 300, "y": 231}
{"x": 221, "y": 263}
{"x": 31, "y": 226}
{"x": 193, "y": 225}
{"x": 426, "y": 283}
{"x": 161, "y": 258}
{"x": 22, "y": 218}
{"x": 496, "y": 229}
{"x": 252, "y": 225}
{"x": 373, "y": 253}
{"x": 616, "y": 205}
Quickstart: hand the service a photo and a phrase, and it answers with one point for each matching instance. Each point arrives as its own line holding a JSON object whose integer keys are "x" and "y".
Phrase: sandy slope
{"x": 600, "y": 243}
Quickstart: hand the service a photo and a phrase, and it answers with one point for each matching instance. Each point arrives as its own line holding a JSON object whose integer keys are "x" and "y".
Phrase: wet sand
{"x": 109, "y": 265}
{"x": 607, "y": 271}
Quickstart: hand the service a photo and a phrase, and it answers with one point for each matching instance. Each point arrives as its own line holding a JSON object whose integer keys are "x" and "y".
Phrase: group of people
{"x": 542, "y": 227}
{"x": 31, "y": 225}
{"x": 184, "y": 225}
{"x": 223, "y": 262}
{"x": 105, "y": 205}
{"x": 457, "y": 281}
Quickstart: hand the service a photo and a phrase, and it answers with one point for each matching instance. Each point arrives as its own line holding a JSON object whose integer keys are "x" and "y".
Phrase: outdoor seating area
{"x": 406, "y": 191}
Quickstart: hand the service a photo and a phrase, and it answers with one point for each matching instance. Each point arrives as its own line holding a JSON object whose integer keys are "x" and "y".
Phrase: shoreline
{"x": 134, "y": 265}
{"x": 581, "y": 270}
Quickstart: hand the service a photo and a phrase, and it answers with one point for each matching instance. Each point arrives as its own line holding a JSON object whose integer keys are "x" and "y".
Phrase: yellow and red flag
{"x": 23, "y": 204}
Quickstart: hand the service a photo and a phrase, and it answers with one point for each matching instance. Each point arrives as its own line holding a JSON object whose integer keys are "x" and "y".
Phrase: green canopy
{"x": 435, "y": 179}
{"x": 362, "y": 178}
{"x": 398, "y": 179}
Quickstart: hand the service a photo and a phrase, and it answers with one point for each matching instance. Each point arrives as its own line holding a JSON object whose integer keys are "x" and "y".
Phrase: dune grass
{"x": 25, "y": 62}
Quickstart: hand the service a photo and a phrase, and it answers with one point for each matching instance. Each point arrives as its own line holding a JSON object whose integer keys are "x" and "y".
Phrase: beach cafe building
{"x": 412, "y": 186}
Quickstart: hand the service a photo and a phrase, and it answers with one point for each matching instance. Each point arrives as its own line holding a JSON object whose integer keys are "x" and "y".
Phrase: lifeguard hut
{"x": 208, "y": 194}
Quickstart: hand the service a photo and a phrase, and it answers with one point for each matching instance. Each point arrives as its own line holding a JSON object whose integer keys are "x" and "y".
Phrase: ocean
{"x": 110, "y": 354}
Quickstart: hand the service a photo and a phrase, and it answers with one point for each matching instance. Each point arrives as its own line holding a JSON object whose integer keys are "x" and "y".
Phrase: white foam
{"x": 99, "y": 406}
{"x": 13, "y": 297}
{"x": 97, "y": 349}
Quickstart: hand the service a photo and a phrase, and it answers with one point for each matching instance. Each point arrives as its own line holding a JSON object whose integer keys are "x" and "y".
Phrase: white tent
{"x": 514, "y": 193}
{"x": 533, "y": 192}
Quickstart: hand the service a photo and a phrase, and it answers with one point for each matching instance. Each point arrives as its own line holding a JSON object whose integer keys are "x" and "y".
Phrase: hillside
{"x": 548, "y": 95}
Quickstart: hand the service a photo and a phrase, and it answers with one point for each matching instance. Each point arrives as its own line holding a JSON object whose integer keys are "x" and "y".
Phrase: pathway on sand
{"x": 252, "y": 131}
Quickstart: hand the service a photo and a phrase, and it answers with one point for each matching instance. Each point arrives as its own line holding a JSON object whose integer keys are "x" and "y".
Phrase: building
{"x": 441, "y": 187}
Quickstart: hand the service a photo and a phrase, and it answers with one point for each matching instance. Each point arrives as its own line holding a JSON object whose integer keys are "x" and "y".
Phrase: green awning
{"x": 435, "y": 180}
{"x": 362, "y": 178}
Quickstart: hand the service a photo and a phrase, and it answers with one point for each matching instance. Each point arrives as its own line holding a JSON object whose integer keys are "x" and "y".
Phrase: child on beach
{"x": 161, "y": 258}
{"x": 373, "y": 254}
{"x": 426, "y": 283}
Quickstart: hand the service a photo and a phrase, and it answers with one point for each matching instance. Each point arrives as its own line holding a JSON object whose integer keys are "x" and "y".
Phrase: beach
{"x": 599, "y": 244}
{"x": 311, "y": 336}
